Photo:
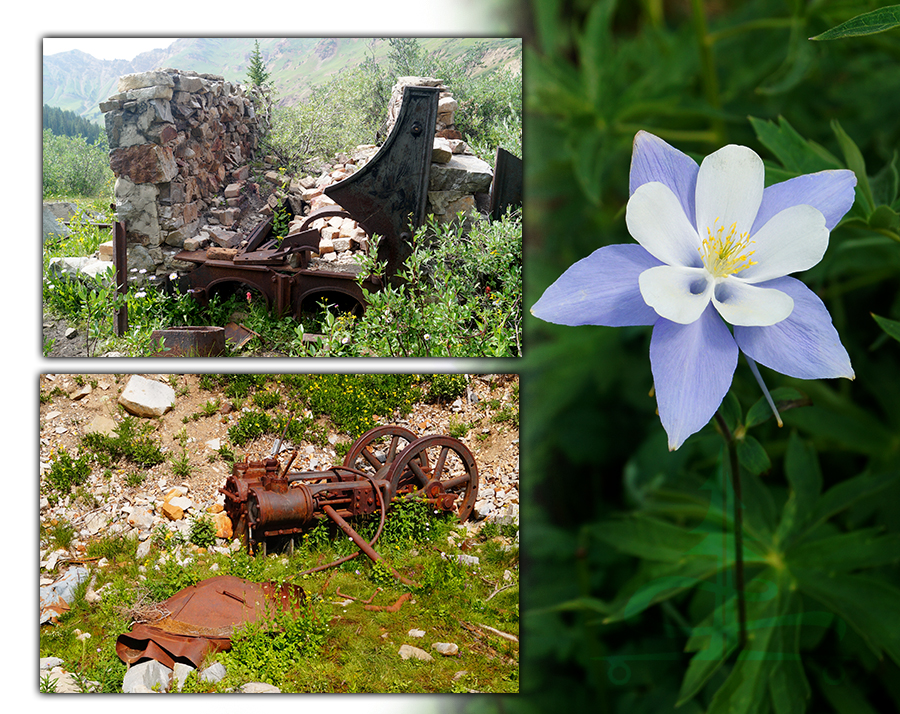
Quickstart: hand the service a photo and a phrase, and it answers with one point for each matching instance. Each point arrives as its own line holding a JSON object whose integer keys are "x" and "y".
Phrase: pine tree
{"x": 257, "y": 73}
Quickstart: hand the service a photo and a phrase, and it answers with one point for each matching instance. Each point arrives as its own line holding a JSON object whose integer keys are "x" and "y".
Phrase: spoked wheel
{"x": 440, "y": 469}
{"x": 376, "y": 451}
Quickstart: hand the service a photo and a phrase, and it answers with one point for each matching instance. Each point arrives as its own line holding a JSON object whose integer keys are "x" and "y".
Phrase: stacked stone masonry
{"x": 177, "y": 139}
{"x": 180, "y": 147}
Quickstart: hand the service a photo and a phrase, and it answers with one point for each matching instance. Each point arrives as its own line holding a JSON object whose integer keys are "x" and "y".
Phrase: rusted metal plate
{"x": 238, "y": 335}
{"x": 202, "y": 618}
{"x": 387, "y": 195}
{"x": 506, "y": 186}
{"x": 198, "y": 341}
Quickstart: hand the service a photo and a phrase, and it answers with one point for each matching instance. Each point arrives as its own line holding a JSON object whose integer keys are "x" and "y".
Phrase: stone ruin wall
{"x": 176, "y": 139}
{"x": 180, "y": 142}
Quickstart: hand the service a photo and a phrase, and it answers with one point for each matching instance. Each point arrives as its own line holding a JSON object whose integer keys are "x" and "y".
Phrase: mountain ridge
{"x": 78, "y": 82}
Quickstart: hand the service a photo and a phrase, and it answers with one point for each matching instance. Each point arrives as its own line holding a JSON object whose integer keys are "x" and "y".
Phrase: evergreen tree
{"x": 257, "y": 73}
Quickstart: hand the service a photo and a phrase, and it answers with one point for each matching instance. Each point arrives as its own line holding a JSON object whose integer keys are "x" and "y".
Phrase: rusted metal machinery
{"x": 265, "y": 499}
{"x": 386, "y": 197}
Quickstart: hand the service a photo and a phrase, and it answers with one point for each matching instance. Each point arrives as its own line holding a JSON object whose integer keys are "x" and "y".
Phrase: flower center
{"x": 726, "y": 253}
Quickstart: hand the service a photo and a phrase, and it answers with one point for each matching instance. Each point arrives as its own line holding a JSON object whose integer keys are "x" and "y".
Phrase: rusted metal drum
{"x": 270, "y": 512}
{"x": 201, "y": 341}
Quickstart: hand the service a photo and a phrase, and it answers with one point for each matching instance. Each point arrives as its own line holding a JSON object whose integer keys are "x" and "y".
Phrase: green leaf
{"x": 744, "y": 690}
{"x": 648, "y": 538}
{"x": 730, "y": 410}
{"x": 847, "y": 493}
{"x": 753, "y": 456}
{"x": 801, "y": 467}
{"x": 868, "y": 23}
{"x": 714, "y": 639}
{"x": 785, "y": 398}
{"x": 870, "y": 606}
{"x": 848, "y": 551}
{"x": 892, "y": 327}
{"x": 793, "y": 151}
{"x": 857, "y": 164}
{"x": 884, "y": 217}
{"x": 788, "y": 687}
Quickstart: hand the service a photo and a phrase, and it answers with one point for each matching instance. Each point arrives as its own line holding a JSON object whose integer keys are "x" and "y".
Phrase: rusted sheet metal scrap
{"x": 201, "y": 619}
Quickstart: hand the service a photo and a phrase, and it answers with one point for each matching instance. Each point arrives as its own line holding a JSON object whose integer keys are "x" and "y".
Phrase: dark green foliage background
{"x": 596, "y": 73}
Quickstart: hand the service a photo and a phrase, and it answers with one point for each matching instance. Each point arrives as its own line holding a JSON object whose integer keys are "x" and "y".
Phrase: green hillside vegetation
{"x": 65, "y": 123}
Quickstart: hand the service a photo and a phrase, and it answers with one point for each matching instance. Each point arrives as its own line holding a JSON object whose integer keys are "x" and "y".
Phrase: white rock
{"x": 448, "y": 649}
{"x": 259, "y": 688}
{"x": 416, "y": 633}
{"x": 146, "y": 397}
{"x": 213, "y": 673}
{"x": 410, "y": 652}
{"x": 151, "y": 675}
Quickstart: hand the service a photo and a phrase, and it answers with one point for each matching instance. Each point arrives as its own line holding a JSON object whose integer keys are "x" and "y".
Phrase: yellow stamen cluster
{"x": 726, "y": 253}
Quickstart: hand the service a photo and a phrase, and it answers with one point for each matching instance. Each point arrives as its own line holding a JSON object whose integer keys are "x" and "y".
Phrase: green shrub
{"x": 131, "y": 441}
{"x": 203, "y": 531}
{"x": 351, "y": 401}
{"x": 65, "y": 472}
{"x": 250, "y": 425}
{"x": 73, "y": 167}
{"x": 446, "y": 387}
{"x": 266, "y": 651}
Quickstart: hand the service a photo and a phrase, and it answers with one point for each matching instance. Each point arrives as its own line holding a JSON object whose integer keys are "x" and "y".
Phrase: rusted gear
{"x": 376, "y": 451}
{"x": 440, "y": 469}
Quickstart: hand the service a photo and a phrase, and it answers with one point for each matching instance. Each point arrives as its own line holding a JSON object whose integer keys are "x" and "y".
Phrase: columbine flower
{"x": 714, "y": 247}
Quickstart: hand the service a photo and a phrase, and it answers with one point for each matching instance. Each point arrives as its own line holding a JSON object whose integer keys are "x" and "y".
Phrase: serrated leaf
{"x": 857, "y": 164}
{"x": 794, "y": 152}
{"x": 801, "y": 467}
{"x": 870, "y": 606}
{"x": 595, "y": 47}
{"x": 753, "y": 456}
{"x": 892, "y": 327}
{"x": 648, "y": 538}
{"x": 848, "y": 551}
{"x": 785, "y": 398}
{"x": 868, "y": 23}
{"x": 849, "y": 492}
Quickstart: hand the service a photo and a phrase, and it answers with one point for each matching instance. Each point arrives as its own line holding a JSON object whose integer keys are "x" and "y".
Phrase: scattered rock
{"x": 144, "y": 677}
{"x": 259, "y": 688}
{"x": 448, "y": 649}
{"x": 410, "y": 652}
{"x": 146, "y": 397}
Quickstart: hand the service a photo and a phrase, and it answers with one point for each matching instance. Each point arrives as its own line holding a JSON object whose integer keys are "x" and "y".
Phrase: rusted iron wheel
{"x": 440, "y": 469}
{"x": 376, "y": 451}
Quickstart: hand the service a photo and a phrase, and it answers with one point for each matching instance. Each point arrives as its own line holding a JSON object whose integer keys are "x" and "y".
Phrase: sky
{"x": 105, "y": 48}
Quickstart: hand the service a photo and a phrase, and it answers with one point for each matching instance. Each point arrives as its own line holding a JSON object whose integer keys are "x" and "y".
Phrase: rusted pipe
{"x": 363, "y": 546}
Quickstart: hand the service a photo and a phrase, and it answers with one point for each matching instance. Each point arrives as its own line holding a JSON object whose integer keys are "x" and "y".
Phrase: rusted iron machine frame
{"x": 265, "y": 499}
{"x": 386, "y": 197}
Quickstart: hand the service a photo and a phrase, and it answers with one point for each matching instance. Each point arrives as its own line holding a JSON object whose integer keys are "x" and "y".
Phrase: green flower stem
{"x": 708, "y": 67}
{"x": 735, "y": 468}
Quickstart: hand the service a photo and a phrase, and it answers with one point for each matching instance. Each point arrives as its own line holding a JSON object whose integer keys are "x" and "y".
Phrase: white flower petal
{"x": 741, "y": 303}
{"x": 794, "y": 239}
{"x": 730, "y": 188}
{"x": 676, "y": 293}
{"x": 656, "y": 220}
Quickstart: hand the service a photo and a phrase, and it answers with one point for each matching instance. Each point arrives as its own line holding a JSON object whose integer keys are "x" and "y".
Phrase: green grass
{"x": 340, "y": 646}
